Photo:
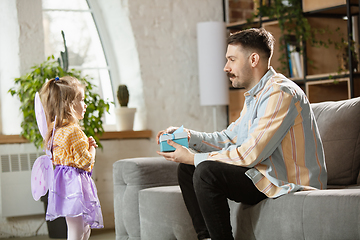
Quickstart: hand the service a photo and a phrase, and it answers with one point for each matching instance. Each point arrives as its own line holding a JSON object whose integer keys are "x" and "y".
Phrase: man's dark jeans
{"x": 205, "y": 190}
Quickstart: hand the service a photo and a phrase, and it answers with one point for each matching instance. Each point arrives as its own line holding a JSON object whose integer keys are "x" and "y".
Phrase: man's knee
{"x": 185, "y": 171}
{"x": 182, "y": 167}
{"x": 204, "y": 171}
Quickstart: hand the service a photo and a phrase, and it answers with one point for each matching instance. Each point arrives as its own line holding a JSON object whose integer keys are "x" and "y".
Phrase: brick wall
{"x": 240, "y": 9}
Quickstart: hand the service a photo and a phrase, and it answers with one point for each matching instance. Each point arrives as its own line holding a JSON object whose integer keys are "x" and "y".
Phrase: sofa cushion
{"x": 280, "y": 218}
{"x": 332, "y": 214}
{"x": 339, "y": 128}
{"x": 163, "y": 215}
{"x": 130, "y": 176}
{"x": 311, "y": 215}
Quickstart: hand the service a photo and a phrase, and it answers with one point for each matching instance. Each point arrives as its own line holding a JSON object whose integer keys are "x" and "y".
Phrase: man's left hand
{"x": 181, "y": 154}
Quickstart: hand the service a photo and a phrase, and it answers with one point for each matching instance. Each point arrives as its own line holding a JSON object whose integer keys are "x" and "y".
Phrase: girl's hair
{"x": 57, "y": 96}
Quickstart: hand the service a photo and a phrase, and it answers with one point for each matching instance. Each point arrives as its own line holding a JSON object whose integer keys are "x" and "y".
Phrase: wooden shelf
{"x": 12, "y": 139}
{"x": 329, "y": 7}
{"x": 326, "y": 76}
{"x": 328, "y": 90}
{"x": 244, "y": 23}
{"x": 126, "y": 135}
{"x": 5, "y": 139}
{"x": 331, "y": 87}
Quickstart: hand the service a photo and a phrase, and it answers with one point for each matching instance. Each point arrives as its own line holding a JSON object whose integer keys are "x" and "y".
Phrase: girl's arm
{"x": 83, "y": 149}
{"x": 92, "y": 150}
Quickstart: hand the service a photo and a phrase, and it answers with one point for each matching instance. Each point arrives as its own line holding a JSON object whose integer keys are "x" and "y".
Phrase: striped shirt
{"x": 276, "y": 137}
{"x": 71, "y": 148}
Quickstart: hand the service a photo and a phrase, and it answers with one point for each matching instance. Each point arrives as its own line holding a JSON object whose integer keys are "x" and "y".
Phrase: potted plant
{"x": 124, "y": 114}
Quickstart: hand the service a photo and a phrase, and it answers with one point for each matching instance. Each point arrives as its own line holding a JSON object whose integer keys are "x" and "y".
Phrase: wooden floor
{"x": 96, "y": 234}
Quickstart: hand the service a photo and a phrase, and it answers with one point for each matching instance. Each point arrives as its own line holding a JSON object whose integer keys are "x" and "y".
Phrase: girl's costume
{"x": 72, "y": 192}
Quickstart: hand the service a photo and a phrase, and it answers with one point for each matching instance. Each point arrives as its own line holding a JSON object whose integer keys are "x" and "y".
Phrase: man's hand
{"x": 170, "y": 130}
{"x": 181, "y": 154}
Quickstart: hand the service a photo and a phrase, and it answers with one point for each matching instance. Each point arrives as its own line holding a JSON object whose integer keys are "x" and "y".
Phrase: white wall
{"x": 164, "y": 47}
{"x": 165, "y": 33}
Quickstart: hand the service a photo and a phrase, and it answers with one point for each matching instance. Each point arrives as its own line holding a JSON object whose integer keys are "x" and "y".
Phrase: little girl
{"x": 73, "y": 194}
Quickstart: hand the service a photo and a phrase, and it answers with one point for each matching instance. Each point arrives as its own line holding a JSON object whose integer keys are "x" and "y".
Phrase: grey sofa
{"x": 148, "y": 201}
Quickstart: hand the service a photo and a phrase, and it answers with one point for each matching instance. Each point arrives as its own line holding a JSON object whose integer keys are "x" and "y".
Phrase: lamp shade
{"x": 211, "y": 42}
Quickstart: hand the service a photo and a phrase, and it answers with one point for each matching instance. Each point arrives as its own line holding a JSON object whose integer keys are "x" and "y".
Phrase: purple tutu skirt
{"x": 74, "y": 194}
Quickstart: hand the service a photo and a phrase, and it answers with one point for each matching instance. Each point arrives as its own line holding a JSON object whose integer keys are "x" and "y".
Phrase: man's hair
{"x": 254, "y": 39}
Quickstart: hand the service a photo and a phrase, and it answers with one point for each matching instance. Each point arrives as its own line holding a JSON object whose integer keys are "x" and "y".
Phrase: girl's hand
{"x": 92, "y": 142}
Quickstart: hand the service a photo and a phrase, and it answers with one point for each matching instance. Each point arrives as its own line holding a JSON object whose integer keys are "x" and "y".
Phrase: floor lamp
{"x": 211, "y": 42}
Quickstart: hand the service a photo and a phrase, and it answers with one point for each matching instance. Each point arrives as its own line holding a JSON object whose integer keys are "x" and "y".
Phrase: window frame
{"x": 105, "y": 43}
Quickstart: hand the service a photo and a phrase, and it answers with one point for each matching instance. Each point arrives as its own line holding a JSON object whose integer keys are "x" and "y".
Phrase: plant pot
{"x": 56, "y": 228}
{"x": 124, "y": 118}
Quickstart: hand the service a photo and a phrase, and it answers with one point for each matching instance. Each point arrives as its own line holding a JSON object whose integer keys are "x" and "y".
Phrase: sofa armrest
{"x": 131, "y": 176}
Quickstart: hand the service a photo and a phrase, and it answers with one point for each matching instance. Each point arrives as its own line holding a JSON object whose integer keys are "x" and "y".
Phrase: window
{"x": 74, "y": 17}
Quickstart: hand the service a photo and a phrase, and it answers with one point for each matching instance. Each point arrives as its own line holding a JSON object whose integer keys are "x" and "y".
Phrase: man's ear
{"x": 254, "y": 59}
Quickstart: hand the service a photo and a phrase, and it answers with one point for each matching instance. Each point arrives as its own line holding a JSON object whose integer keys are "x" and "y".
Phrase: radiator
{"x": 16, "y": 161}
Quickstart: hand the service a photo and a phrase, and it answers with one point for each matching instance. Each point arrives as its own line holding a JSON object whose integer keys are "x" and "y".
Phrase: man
{"x": 274, "y": 148}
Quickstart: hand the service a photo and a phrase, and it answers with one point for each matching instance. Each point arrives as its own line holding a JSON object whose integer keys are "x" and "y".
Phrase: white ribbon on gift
{"x": 172, "y": 136}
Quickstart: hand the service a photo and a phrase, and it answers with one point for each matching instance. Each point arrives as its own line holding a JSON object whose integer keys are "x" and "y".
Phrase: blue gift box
{"x": 180, "y": 138}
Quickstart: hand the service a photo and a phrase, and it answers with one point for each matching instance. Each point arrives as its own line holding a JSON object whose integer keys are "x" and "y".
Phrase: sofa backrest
{"x": 339, "y": 126}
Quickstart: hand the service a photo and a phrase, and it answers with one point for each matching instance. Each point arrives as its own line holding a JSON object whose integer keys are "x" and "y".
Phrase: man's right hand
{"x": 170, "y": 130}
